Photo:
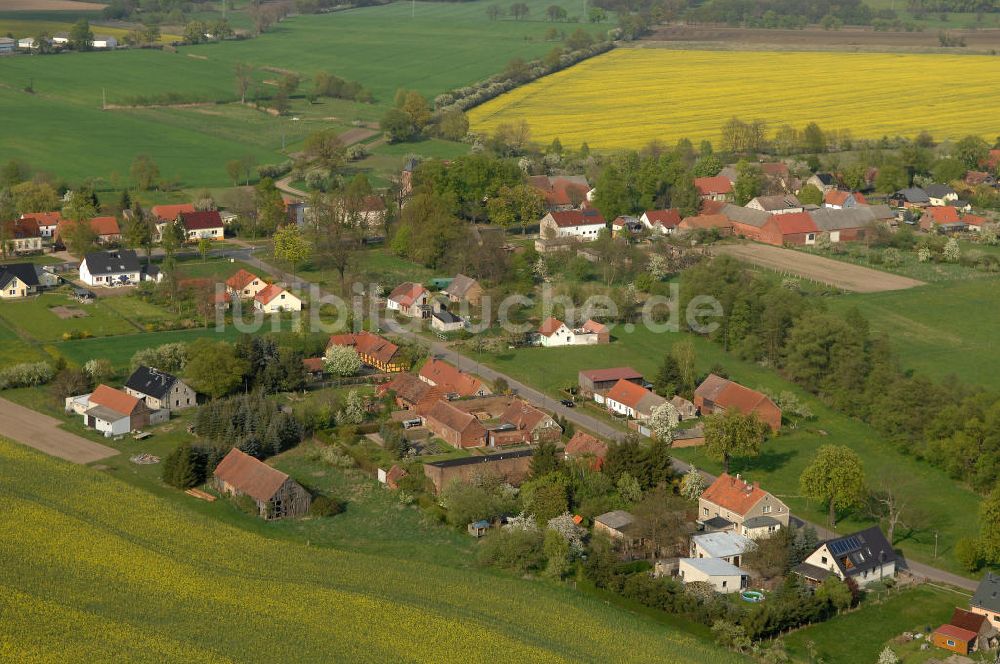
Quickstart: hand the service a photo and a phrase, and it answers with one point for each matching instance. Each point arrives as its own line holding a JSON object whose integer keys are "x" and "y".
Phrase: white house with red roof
{"x": 409, "y": 299}
{"x": 274, "y": 299}
{"x": 47, "y": 221}
{"x": 244, "y": 284}
{"x": 554, "y": 332}
{"x": 583, "y": 225}
{"x": 632, "y": 400}
{"x": 663, "y": 222}
{"x": 717, "y": 188}
{"x": 203, "y": 224}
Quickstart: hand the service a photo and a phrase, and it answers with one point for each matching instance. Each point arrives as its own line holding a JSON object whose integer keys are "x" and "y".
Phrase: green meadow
{"x": 429, "y": 47}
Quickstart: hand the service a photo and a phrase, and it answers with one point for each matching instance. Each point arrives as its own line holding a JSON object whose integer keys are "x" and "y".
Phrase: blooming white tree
{"x": 888, "y": 656}
{"x": 923, "y": 254}
{"x": 541, "y": 269}
{"x": 663, "y": 421}
{"x": 692, "y": 484}
{"x": 522, "y": 521}
{"x": 572, "y": 533}
{"x": 342, "y": 360}
{"x": 952, "y": 252}
{"x": 354, "y": 409}
{"x": 658, "y": 267}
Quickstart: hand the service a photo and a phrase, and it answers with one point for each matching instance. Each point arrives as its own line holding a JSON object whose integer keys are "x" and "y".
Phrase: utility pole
{"x": 104, "y": 99}
{"x": 935, "y": 543}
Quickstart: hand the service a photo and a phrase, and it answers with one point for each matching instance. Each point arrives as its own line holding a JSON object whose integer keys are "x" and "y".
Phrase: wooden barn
{"x": 276, "y": 494}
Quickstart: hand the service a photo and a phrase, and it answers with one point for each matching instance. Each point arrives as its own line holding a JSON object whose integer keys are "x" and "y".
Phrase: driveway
{"x": 42, "y": 432}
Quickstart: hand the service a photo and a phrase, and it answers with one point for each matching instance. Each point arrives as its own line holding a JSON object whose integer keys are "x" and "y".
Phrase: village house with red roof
{"x": 244, "y": 284}
{"x": 582, "y": 225}
{"x": 663, "y": 222}
{"x": 561, "y": 192}
{"x": 113, "y": 412}
{"x": 203, "y": 224}
{"x": 47, "y": 221}
{"x": 716, "y": 188}
{"x": 730, "y": 503}
{"x": 409, "y": 299}
{"x": 584, "y": 446}
{"x": 632, "y": 400}
{"x": 717, "y": 395}
{"x": 274, "y": 299}
{"x": 554, "y": 332}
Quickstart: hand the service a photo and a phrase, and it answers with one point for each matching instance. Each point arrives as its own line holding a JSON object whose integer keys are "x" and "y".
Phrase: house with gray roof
{"x": 728, "y": 546}
{"x": 160, "y": 390}
{"x": 986, "y": 601}
{"x": 722, "y": 576}
{"x": 24, "y": 279}
{"x": 615, "y": 525}
{"x": 940, "y": 194}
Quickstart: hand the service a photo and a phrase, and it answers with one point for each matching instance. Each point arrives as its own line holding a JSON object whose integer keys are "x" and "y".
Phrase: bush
{"x": 325, "y": 506}
{"x": 516, "y": 550}
{"x": 967, "y": 554}
{"x": 28, "y": 374}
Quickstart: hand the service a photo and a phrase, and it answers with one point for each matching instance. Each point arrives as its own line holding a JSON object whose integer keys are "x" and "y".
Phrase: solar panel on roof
{"x": 840, "y": 547}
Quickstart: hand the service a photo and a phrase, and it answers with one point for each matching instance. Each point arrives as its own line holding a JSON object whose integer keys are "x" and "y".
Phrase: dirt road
{"x": 824, "y": 270}
{"x": 42, "y": 432}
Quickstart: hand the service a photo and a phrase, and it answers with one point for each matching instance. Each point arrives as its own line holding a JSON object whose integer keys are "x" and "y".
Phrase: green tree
{"x": 667, "y": 381}
{"x": 213, "y": 368}
{"x": 326, "y": 149}
{"x": 204, "y": 246}
{"x": 291, "y": 246}
{"x": 81, "y": 37}
{"x": 556, "y": 550}
{"x": 79, "y": 238}
{"x": 891, "y": 177}
{"x": 555, "y": 13}
{"x": 836, "y": 593}
{"x": 989, "y": 520}
{"x": 810, "y": 195}
{"x": 948, "y": 169}
{"x": 493, "y": 12}
{"x": 749, "y": 182}
{"x": 814, "y": 138}
{"x": 139, "y": 231}
{"x": 244, "y": 79}
{"x": 547, "y": 459}
{"x": 34, "y": 197}
{"x": 454, "y": 124}
{"x": 836, "y": 477}
{"x": 397, "y": 125}
{"x": 181, "y": 468}
{"x": 519, "y": 10}
{"x": 733, "y": 434}
{"x": 234, "y": 167}
{"x": 971, "y": 151}
{"x": 144, "y": 172}
{"x": 270, "y": 207}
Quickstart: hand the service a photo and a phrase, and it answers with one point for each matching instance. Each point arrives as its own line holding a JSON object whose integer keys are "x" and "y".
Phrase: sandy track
{"x": 42, "y": 432}
{"x": 825, "y": 270}
{"x": 49, "y": 6}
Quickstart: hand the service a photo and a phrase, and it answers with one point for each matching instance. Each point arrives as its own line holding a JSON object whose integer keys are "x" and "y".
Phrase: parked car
{"x": 568, "y": 403}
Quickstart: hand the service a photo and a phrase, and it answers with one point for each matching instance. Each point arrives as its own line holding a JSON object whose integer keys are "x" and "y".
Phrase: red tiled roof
{"x": 582, "y": 443}
{"x": 774, "y": 168}
{"x": 407, "y": 293}
{"x": 549, "y": 326}
{"x": 945, "y": 214}
{"x": 198, "y": 221}
{"x": 976, "y": 177}
{"x": 450, "y": 378}
{"x": 729, "y": 394}
{"x": 718, "y": 184}
{"x": 250, "y": 476}
{"x": 268, "y": 293}
{"x": 974, "y": 220}
{"x": 407, "y": 387}
{"x": 993, "y": 160}
{"x": 558, "y": 190}
{"x": 105, "y": 226}
{"x": 796, "y": 222}
{"x": 44, "y": 218}
{"x": 860, "y": 199}
{"x": 241, "y": 279}
{"x": 956, "y": 633}
{"x": 967, "y": 620}
{"x": 314, "y": 364}
{"x": 594, "y": 327}
{"x": 666, "y": 218}
{"x": 574, "y": 218}
{"x": 836, "y": 197}
{"x": 616, "y": 373}
{"x": 116, "y": 400}
{"x": 706, "y": 221}
{"x": 367, "y": 343}
{"x": 171, "y": 212}
{"x": 21, "y": 229}
{"x": 522, "y": 415}
{"x": 712, "y": 207}
{"x": 628, "y": 394}
{"x": 733, "y": 494}
{"x": 452, "y": 418}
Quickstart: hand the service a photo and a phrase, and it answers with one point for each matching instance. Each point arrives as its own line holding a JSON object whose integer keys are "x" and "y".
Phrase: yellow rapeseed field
{"x": 629, "y": 97}
{"x": 96, "y": 570}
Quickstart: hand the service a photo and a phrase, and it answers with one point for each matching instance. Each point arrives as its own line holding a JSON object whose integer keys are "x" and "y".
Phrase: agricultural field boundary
{"x": 843, "y": 275}
{"x": 41, "y": 432}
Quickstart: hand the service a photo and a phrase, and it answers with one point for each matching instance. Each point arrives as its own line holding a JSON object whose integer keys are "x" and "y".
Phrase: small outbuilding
{"x": 276, "y": 494}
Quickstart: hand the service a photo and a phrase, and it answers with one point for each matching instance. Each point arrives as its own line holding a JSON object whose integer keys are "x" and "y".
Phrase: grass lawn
{"x": 221, "y": 270}
{"x": 930, "y": 490}
{"x": 939, "y": 329}
{"x": 374, "y": 265}
{"x": 430, "y": 47}
{"x": 872, "y": 625}
{"x": 120, "y": 349}
{"x": 14, "y": 349}
{"x": 34, "y": 317}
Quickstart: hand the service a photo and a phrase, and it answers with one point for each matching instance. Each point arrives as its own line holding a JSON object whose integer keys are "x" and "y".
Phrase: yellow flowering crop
{"x": 630, "y": 96}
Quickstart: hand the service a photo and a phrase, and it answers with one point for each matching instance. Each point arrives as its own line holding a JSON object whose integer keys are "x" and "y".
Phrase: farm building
{"x": 561, "y": 192}
{"x": 987, "y": 635}
{"x": 865, "y": 557}
{"x": 583, "y": 225}
{"x": 717, "y": 394}
{"x": 277, "y": 495}
{"x": 22, "y": 236}
{"x": 599, "y": 381}
{"x": 463, "y": 289}
{"x": 616, "y": 525}
{"x": 444, "y": 321}
{"x": 955, "y": 639}
{"x": 454, "y": 426}
{"x": 632, "y": 400}
{"x": 438, "y": 373}
{"x": 113, "y": 412}
{"x": 842, "y": 200}
{"x": 778, "y": 204}
{"x": 511, "y": 467}
{"x": 736, "y": 502}
{"x": 47, "y": 222}
{"x": 522, "y": 423}
{"x": 726, "y": 545}
{"x": 160, "y": 390}
{"x": 411, "y": 392}
{"x": 717, "y": 188}
{"x": 374, "y": 350}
